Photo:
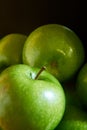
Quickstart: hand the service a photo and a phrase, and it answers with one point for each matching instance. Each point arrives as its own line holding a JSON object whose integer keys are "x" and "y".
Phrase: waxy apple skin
{"x": 56, "y": 47}
{"x": 27, "y": 103}
{"x": 11, "y": 47}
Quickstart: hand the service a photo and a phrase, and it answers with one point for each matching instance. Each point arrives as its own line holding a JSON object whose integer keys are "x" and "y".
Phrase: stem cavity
{"x": 41, "y": 70}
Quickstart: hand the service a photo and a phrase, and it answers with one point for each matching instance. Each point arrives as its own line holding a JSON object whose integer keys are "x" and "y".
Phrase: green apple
{"x": 30, "y": 99}
{"x": 11, "y": 47}
{"x": 57, "y": 47}
{"x": 73, "y": 119}
{"x": 81, "y": 84}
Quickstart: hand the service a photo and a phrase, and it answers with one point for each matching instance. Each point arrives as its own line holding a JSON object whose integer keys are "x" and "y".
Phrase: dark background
{"x": 23, "y": 16}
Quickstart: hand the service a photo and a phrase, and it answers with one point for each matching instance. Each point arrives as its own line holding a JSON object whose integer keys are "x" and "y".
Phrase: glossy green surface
{"x": 11, "y": 47}
{"x": 56, "y": 47}
{"x": 29, "y": 104}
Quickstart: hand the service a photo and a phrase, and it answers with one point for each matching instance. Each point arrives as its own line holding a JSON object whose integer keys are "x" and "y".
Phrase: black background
{"x": 23, "y": 16}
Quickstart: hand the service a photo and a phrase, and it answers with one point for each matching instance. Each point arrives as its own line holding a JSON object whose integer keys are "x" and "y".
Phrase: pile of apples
{"x": 43, "y": 80}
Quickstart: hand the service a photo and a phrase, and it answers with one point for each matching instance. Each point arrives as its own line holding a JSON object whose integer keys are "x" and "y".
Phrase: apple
{"x": 81, "y": 84}
{"x": 30, "y": 99}
{"x": 57, "y": 47}
{"x": 11, "y": 47}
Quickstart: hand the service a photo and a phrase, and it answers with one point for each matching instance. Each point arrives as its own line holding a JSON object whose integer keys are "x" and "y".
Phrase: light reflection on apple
{"x": 49, "y": 95}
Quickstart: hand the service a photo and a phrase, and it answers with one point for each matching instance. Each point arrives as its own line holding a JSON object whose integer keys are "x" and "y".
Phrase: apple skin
{"x": 11, "y": 47}
{"x": 81, "y": 85}
{"x": 27, "y": 103}
{"x": 56, "y": 47}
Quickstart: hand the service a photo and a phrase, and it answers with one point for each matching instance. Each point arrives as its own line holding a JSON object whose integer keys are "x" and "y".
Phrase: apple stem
{"x": 41, "y": 70}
